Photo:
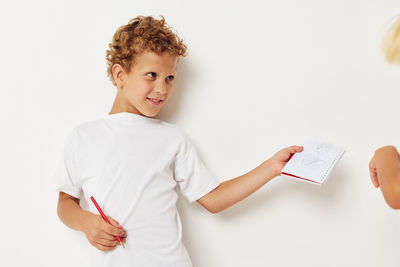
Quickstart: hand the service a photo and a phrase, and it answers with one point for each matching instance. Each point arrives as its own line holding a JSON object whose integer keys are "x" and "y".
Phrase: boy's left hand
{"x": 280, "y": 158}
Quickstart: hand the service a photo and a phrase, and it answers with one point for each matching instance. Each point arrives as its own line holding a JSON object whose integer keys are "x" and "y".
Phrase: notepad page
{"x": 315, "y": 162}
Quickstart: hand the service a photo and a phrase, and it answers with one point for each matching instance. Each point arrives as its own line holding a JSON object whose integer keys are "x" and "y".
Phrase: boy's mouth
{"x": 154, "y": 101}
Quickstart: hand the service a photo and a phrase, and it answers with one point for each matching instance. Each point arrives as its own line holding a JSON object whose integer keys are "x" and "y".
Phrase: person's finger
{"x": 114, "y": 222}
{"x": 373, "y": 173}
{"x": 106, "y": 236}
{"x": 295, "y": 149}
{"x": 374, "y": 178}
{"x": 102, "y": 247}
{"x": 289, "y": 152}
{"x": 292, "y": 150}
{"x": 112, "y": 230}
{"x": 108, "y": 239}
{"x": 106, "y": 242}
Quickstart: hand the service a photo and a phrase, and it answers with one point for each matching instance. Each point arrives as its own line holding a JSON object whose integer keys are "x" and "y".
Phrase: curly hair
{"x": 391, "y": 43}
{"x": 143, "y": 33}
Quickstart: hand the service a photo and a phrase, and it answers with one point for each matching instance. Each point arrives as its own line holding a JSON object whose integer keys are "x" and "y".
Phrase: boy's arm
{"x": 99, "y": 233}
{"x": 385, "y": 173}
{"x": 236, "y": 189}
{"x": 70, "y": 212}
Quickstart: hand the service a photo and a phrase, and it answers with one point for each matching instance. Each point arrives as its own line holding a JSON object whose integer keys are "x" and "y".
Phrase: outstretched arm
{"x": 236, "y": 189}
{"x": 384, "y": 169}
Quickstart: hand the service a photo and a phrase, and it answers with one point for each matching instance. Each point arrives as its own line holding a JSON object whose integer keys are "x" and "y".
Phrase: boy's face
{"x": 148, "y": 85}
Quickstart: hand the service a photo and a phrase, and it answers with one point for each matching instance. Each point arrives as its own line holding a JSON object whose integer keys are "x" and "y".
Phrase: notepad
{"x": 314, "y": 163}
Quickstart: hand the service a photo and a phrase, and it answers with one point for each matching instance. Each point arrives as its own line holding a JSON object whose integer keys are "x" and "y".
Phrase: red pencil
{"x": 105, "y": 218}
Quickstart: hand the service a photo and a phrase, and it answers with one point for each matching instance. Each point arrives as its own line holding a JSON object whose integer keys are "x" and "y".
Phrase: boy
{"x": 131, "y": 162}
{"x": 385, "y": 164}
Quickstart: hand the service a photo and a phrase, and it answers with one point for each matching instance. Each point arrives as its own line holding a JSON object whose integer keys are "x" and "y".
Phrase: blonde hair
{"x": 143, "y": 33}
{"x": 391, "y": 43}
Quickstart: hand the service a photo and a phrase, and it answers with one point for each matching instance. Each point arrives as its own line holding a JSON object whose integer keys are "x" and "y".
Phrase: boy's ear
{"x": 118, "y": 74}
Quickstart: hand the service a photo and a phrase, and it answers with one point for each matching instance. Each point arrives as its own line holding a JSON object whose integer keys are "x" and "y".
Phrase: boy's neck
{"x": 120, "y": 105}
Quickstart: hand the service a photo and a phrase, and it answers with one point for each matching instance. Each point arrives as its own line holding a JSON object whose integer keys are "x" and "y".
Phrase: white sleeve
{"x": 65, "y": 176}
{"x": 190, "y": 173}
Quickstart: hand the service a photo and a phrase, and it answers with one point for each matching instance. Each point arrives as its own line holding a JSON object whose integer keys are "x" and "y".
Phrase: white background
{"x": 260, "y": 76}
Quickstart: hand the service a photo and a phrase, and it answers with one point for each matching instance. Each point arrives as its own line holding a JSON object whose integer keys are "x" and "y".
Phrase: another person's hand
{"x": 373, "y": 172}
{"x": 381, "y": 155}
{"x": 101, "y": 234}
{"x": 280, "y": 158}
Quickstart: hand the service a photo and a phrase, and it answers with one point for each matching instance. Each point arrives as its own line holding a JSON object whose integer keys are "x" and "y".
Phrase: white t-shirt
{"x": 131, "y": 164}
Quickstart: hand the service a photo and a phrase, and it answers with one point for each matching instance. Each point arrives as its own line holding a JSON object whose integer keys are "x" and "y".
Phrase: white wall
{"x": 260, "y": 75}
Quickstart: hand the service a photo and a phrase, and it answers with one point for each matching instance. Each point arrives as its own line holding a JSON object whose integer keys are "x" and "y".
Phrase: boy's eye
{"x": 170, "y": 78}
{"x": 151, "y": 74}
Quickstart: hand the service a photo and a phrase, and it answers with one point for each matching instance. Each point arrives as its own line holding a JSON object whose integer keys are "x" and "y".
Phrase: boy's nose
{"x": 161, "y": 88}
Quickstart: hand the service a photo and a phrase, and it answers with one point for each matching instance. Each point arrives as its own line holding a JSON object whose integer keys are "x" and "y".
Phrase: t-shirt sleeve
{"x": 66, "y": 175}
{"x": 193, "y": 178}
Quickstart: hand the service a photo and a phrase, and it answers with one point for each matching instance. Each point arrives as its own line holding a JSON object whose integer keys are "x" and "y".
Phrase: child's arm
{"x": 234, "y": 190}
{"x": 385, "y": 173}
{"x": 99, "y": 233}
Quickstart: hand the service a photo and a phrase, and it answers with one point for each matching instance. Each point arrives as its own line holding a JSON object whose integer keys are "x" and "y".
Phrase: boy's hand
{"x": 101, "y": 234}
{"x": 280, "y": 158}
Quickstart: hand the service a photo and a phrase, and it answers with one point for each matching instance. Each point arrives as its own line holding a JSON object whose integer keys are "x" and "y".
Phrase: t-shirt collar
{"x": 131, "y": 117}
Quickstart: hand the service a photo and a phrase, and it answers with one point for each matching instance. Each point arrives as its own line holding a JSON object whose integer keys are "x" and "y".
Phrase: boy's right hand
{"x": 101, "y": 234}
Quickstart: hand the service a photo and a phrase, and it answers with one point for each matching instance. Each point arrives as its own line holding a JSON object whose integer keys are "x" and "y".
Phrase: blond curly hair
{"x": 141, "y": 34}
{"x": 391, "y": 43}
